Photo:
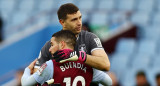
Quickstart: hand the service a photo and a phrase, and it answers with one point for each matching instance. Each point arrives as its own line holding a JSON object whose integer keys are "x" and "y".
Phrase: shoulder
{"x": 48, "y": 43}
{"x": 44, "y": 73}
{"x": 49, "y": 64}
{"x": 45, "y": 67}
{"x": 88, "y": 34}
{"x": 46, "y": 47}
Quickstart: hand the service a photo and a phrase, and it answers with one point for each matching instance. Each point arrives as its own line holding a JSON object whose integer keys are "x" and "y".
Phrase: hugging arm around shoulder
{"x": 98, "y": 58}
{"x": 39, "y": 76}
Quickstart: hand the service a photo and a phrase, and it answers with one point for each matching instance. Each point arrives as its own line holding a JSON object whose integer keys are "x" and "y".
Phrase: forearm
{"x": 106, "y": 81}
{"x": 101, "y": 77}
{"x": 98, "y": 62}
{"x": 27, "y": 79}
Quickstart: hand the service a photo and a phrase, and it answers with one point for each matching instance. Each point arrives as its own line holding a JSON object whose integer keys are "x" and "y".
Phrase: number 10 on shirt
{"x": 67, "y": 80}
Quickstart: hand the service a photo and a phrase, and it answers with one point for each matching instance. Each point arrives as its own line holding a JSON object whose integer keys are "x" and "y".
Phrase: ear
{"x": 62, "y": 44}
{"x": 61, "y": 21}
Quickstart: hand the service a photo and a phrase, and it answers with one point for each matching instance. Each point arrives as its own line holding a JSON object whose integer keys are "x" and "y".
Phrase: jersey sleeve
{"x": 27, "y": 79}
{"x": 95, "y": 42}
{"x": 43, "y": 55}
{"x": 101, "y": 77}
{"x": 44, "y": 73}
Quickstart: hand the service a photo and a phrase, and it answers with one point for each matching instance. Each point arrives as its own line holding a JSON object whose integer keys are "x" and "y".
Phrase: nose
{"x": 79, "y": 22}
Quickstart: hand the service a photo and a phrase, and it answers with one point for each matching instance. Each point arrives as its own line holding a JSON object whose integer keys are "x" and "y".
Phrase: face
{"x": 54, "y": 46}
{"x": 73, "y": 22}
{"x": 141, "y": 80}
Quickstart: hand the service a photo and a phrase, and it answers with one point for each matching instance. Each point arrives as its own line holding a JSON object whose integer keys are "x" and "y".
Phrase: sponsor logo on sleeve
{"x": 98, "y": 42}
{"x": 40, "y": 70}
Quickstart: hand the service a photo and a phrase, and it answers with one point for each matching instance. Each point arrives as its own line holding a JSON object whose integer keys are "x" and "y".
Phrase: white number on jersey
{"x": 78, "y": 78}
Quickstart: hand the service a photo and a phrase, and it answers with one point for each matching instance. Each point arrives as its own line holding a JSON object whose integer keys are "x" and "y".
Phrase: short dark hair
{"x": 141, "y": 73}
{"x": 67, "y": 36}
{"x": 65, "y": 9}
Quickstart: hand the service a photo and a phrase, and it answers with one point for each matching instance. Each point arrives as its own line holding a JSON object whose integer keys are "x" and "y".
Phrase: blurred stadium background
{"x": 129, "y": 31}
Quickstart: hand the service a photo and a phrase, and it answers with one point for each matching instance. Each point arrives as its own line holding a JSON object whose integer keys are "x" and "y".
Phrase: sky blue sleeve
{"x": 45, "y": 73}
{"x": 101, "y": 77}
{"x": 27, "y": 79}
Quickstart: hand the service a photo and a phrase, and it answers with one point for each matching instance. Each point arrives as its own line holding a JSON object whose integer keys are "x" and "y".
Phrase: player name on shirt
{"x": 69, "y": 65}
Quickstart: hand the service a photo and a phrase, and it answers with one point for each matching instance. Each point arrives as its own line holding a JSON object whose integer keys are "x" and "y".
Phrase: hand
{"x": 62, "y": 54}
{"x": 31, "y": 66}
{"x": 81, "y": 55}
{"x": 71, "y": 56}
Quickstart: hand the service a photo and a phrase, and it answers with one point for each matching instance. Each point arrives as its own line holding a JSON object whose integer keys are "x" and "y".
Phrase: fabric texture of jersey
{"x": 72, "y": 73}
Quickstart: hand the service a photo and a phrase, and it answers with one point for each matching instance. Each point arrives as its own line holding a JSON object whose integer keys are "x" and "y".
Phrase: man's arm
{"x": 98, "y": 60}
{"x": 101, "y": 77}
{"x": 27, "y": 78}
{"x": 44, "y": 73}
